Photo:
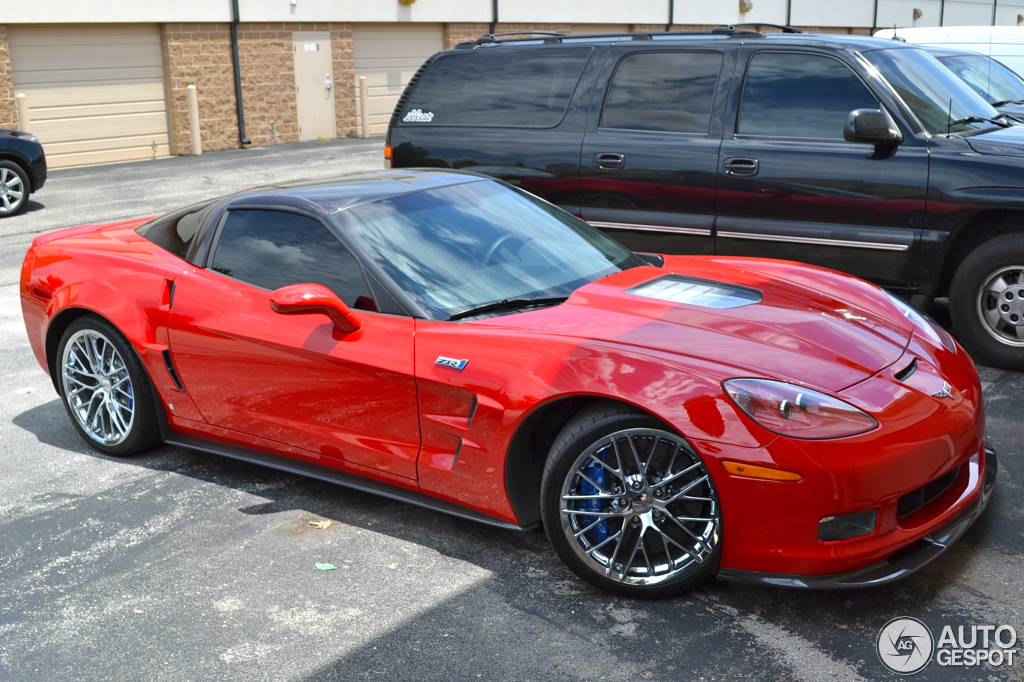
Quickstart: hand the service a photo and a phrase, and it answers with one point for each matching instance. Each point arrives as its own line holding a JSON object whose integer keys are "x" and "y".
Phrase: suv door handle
{"x": 740, "y": 166}
{"x": 609, "y": 161}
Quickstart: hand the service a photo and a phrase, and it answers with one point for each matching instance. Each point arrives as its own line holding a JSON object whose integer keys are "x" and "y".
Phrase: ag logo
{"x": 905, "y": 646}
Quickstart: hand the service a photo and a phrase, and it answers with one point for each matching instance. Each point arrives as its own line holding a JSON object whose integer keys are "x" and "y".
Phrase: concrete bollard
{"x": 193, "y": 120}
{"x": 364, "y": 105}
{"x": 23, "y": 122}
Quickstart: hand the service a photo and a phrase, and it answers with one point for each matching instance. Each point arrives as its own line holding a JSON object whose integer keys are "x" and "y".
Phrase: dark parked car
{"x": 854, "y": 153}
{"x": 22, "y": 170}
{"x": 995, "y": 82}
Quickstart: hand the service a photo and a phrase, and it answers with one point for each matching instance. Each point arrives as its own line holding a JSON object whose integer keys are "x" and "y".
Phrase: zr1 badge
{"x": 450, "y": 362}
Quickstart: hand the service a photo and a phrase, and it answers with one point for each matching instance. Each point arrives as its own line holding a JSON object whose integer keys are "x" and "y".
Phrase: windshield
{"x": 932, "y": 92}
{"x": 987, "y": 77}
{"x": 464, "y": 246}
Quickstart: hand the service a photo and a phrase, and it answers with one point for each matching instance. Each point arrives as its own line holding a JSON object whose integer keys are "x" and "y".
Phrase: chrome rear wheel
{"x": 97, "y": 387}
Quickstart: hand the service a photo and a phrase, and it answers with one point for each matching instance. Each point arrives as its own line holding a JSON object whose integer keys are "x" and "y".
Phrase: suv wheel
{"x": 986, "y": 302}
{"x": 629, "y": 506}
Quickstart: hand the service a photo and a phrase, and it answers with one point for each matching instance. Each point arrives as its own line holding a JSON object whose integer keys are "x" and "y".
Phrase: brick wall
{"x": 344, "y": 79}
{"x": 8, "y": 108}
{"x": 200, "y": 55}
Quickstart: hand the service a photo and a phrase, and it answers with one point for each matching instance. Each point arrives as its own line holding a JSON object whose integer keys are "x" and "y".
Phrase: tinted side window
{"x": 800, "y": 95}
{"x": 513, "y": 87}
{"x": 174, "y": 232}
{"x": 271, "y": 249}
{"x": 664, "y": 91}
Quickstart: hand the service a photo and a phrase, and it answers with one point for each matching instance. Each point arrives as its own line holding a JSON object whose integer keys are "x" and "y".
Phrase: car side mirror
{"x": 872, "y": 126}
{"x": 309, "y": 299}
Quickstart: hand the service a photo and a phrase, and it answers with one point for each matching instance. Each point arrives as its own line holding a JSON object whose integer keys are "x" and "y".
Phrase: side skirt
{"x": 334, "y": 476}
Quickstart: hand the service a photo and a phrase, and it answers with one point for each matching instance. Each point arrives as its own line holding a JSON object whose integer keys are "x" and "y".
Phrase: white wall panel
{"x": 901, "y": 13}
{"x": 847, "y": 13}
{"x": 967, "y": 13}
{"x": 365, "y": 10}
{"x": 714, "y": 13}
{"x": 584, "y": 11}
{"x": 119, "y": 11}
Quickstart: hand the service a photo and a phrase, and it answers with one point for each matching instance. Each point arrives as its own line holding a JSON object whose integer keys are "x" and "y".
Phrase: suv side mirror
{"x": 306, "y": 299}
{"x": 872, "y": 126}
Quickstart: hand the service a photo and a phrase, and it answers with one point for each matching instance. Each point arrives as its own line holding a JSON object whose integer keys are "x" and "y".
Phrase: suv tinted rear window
{"x": 663, "y": 91}
{"x": 497, "y": 87}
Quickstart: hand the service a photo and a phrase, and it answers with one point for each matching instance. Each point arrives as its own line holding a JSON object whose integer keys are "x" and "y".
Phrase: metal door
{"x": 314, "y": 85}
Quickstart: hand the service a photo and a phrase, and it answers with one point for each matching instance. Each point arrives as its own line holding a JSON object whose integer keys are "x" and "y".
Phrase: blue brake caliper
{"x": 596, "y": 474}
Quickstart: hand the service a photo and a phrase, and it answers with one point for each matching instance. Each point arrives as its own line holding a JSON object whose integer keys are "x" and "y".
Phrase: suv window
{"x": 272, "y": 249}
{"x": 510, "y": 87}
{"x": 800, "y": 95}
{"x": 664, "y": 91}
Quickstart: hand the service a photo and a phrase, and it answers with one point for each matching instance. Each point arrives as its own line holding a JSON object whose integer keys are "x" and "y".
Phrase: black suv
{"x": 854, "y": 153}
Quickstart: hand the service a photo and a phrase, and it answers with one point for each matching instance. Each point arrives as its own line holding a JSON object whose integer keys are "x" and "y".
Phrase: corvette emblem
{"x": 450, "y": 362}
{"x": 946, "y": 392}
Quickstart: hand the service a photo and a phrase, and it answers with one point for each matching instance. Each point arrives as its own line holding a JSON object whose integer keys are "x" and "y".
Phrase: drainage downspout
{"x": 238, "y": 73}
{"x": 671, "y": 15}
{"x": 494, "y": 16}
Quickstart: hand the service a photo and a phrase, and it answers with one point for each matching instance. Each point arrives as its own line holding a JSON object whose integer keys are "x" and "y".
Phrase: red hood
{"x": 812, "y": 326}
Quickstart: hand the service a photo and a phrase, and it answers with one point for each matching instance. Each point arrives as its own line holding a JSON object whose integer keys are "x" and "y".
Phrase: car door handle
{"x": 739, "y": 166}
{"x": 609, "y": 161}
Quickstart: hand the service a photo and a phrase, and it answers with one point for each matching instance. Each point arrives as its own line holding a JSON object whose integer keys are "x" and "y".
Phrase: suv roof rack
{"x": 781, "y": 27}
{"x": 554, "y": 38}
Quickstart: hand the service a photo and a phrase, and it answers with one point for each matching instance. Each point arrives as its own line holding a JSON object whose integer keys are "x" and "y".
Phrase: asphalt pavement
{"x": 181, "y": 566}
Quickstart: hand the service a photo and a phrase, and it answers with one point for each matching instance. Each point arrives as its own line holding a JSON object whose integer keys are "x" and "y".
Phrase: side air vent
{"x": 905, "y": 373}
{"x": 172, "y": 371}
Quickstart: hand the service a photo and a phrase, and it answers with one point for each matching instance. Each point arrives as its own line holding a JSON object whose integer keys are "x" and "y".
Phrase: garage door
{"x": 95, "y": 93}
{"x": 388, "y": 55}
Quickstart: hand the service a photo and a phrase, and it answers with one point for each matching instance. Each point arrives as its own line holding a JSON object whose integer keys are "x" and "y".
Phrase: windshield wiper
{"x": 979, "y": 119}
{"x": 1008, "y": 101}
{"x": 507, "y": 304}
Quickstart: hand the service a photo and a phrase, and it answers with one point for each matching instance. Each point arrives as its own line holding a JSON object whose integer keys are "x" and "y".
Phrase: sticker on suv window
{"x": 417, "y": 116}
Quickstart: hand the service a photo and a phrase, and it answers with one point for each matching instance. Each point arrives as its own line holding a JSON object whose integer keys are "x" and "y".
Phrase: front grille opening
{"x": 916, "y": 499}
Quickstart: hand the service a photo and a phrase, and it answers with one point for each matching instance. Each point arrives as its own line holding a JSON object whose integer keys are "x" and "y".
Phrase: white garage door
{"x": 388, "y": 55}
{"x": 95, "y": 92}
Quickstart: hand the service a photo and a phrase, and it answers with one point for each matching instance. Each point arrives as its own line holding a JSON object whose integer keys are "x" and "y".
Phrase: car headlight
{"x": 30, "y": 138}
{"x": 926, "y": 325}
{"x": 795, "y": 411}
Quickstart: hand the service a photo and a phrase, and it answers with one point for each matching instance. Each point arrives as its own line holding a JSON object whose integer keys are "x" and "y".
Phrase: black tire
{"x": 989, "y": 343}
{"x": 592, "y": 432}
{"x": 142, "y": 430}
{"x": 11, "y": 185}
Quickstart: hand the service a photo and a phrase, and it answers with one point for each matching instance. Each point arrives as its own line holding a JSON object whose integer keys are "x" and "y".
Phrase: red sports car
{"x": 444, "y": 339}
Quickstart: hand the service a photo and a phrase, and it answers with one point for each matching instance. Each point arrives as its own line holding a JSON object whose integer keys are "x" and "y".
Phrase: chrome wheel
{"x": 1001, "y": 305}
{"x": 97, "y": 387}
{"x": 639, "y": 507}
{"x": 12, "y": 190}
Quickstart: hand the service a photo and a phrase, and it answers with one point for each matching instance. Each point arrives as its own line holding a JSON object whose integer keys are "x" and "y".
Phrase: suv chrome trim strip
{"x": 814, "y": 240}
{"x": 652, "y": 228}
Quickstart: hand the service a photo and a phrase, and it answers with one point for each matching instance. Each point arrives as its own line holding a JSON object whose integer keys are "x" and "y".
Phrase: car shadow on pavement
{"x": 531, "y": 618}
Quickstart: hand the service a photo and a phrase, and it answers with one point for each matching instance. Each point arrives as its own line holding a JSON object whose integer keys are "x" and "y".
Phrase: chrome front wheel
{"x": 98, "y": 387}
{"x": 629, "y": 505}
